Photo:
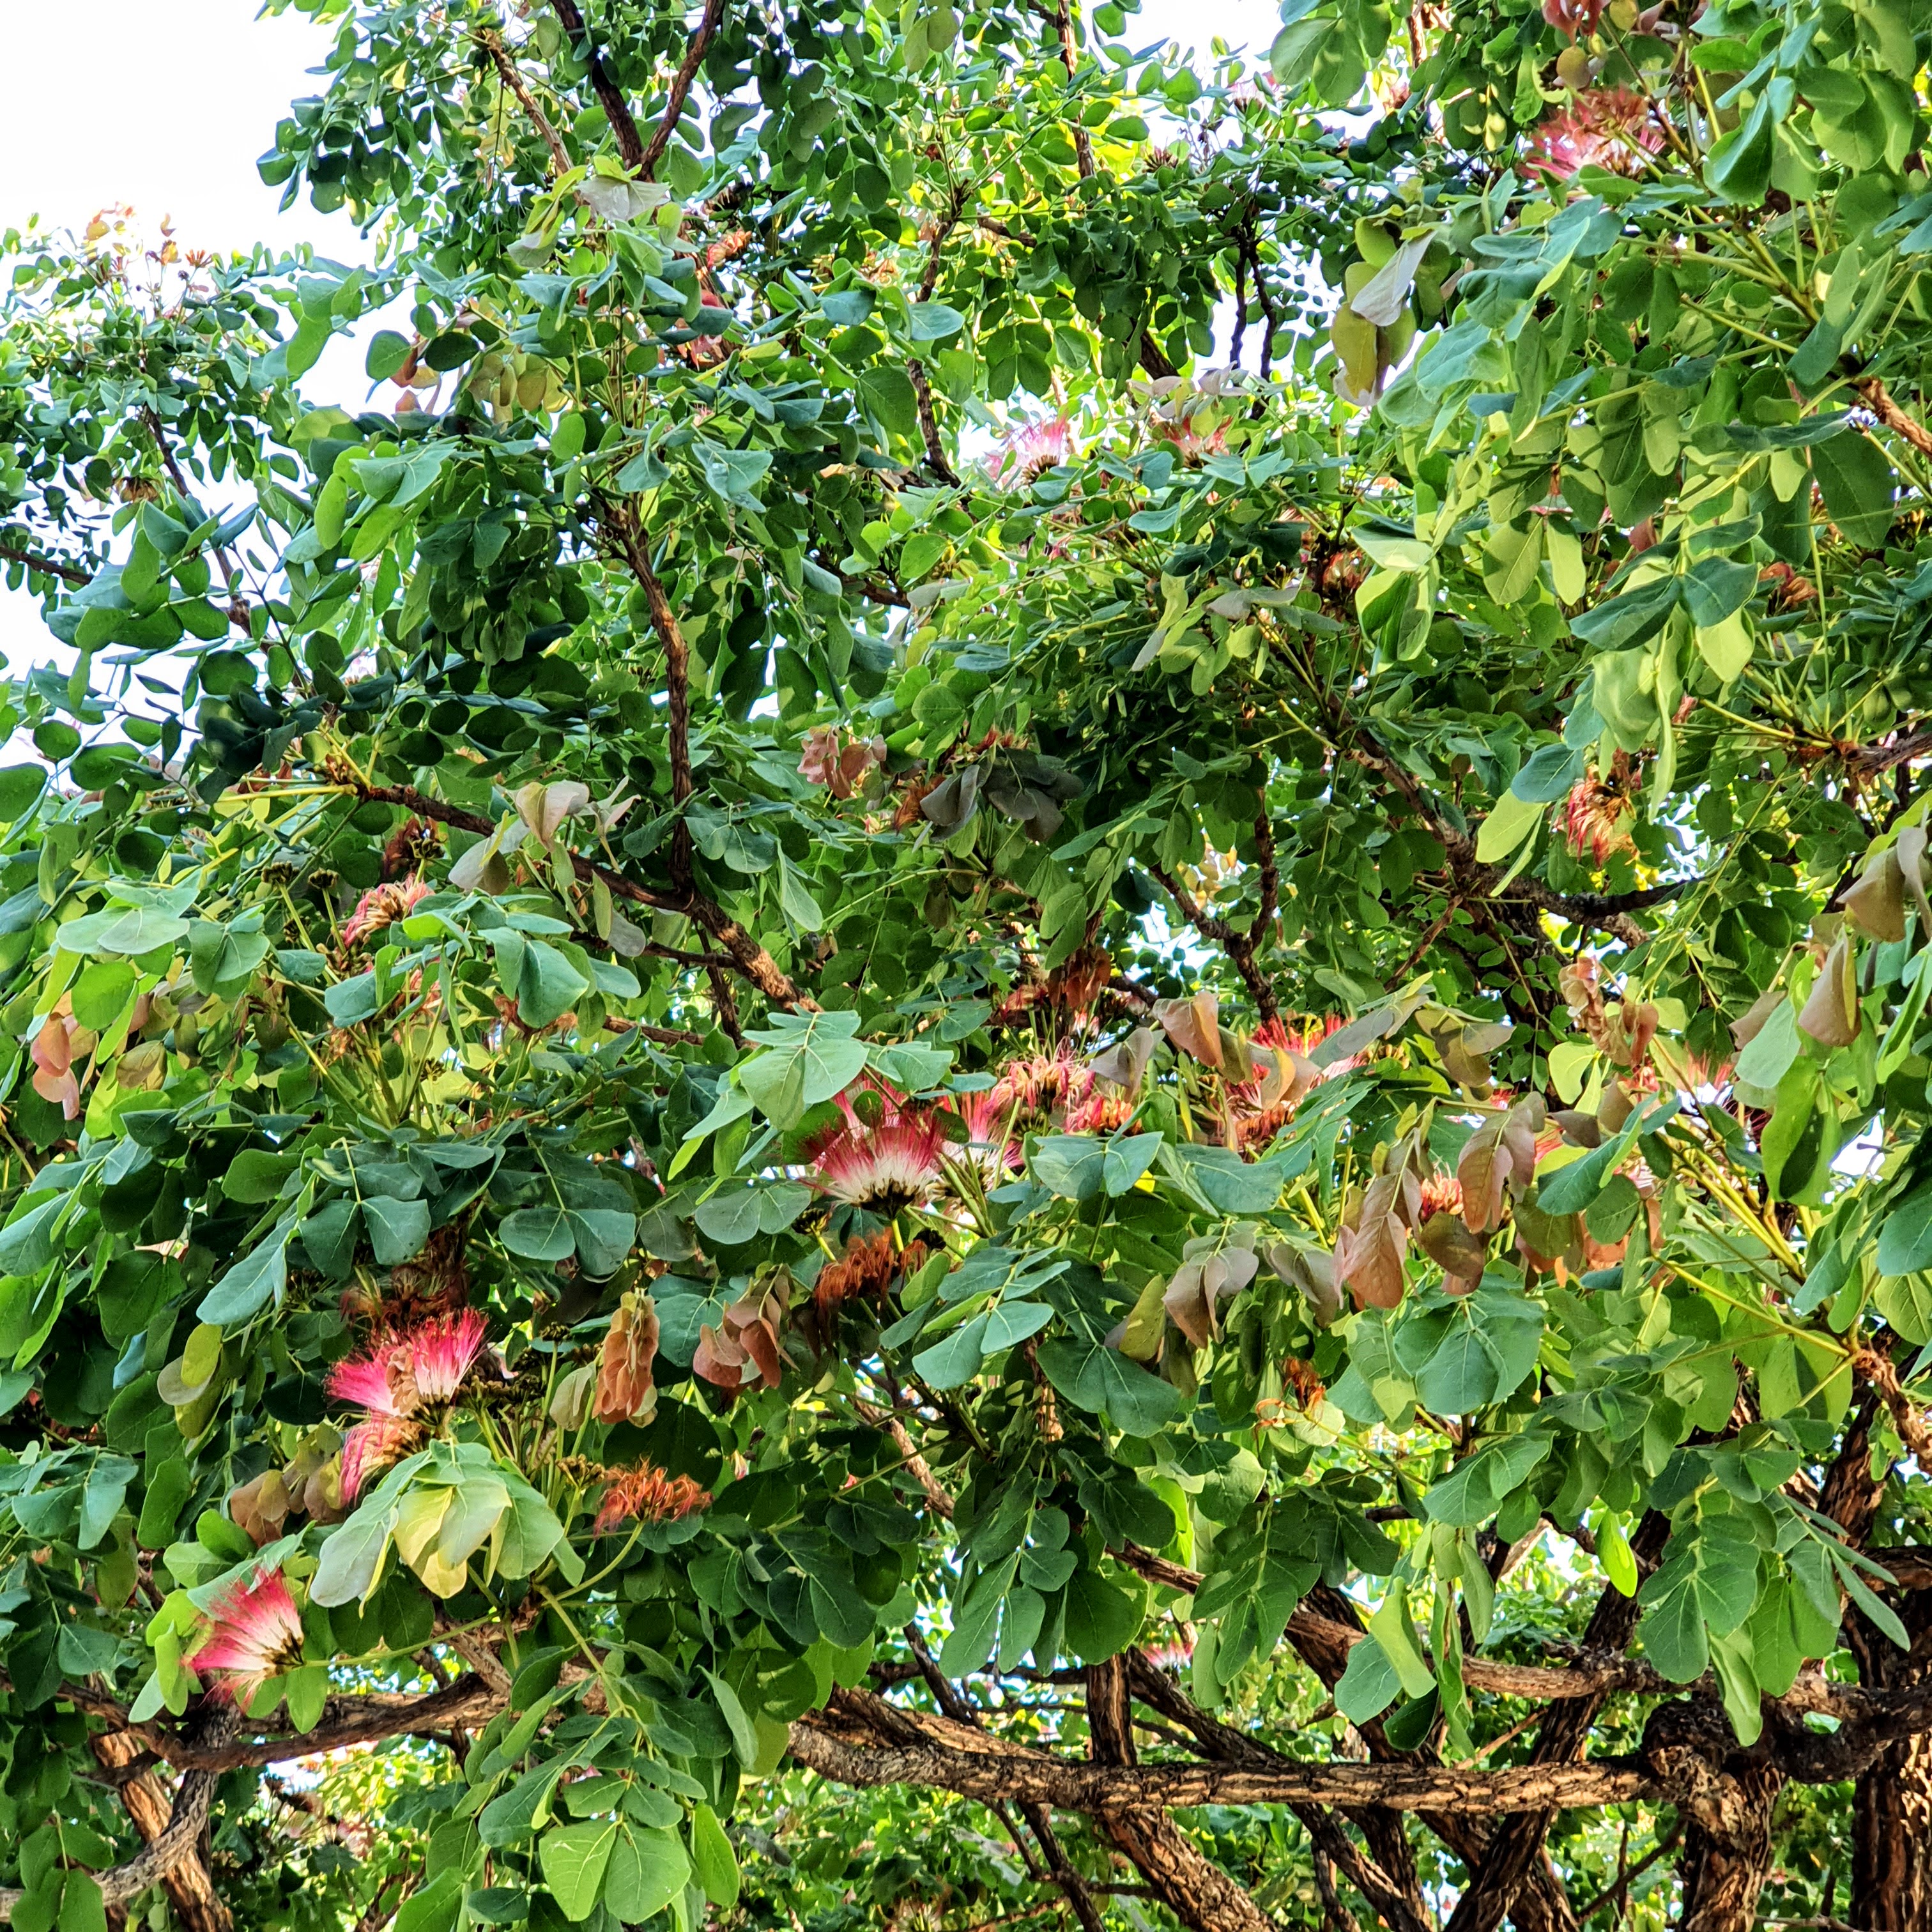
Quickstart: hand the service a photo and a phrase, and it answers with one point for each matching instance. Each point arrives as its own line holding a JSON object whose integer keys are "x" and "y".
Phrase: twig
{"x": 53, "y": 566}
{"x": 492, "y": 43}
{"x": 1662, "y": 1848}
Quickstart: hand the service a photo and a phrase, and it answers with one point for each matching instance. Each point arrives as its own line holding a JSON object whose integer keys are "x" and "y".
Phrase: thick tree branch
{"x": 190, "y": 1889}
{"x": 1000, "y": 1771}
{"x": 609, "y": 95}
{"x": 174, "y": 1842}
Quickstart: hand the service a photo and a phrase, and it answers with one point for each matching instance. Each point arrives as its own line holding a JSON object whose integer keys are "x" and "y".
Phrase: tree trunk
{"x": 1192, "y": 1886}
{"x": 1891, "y": 1802}
{"x": 190, "y": 1889}
{"x": 1727, "y": 1850}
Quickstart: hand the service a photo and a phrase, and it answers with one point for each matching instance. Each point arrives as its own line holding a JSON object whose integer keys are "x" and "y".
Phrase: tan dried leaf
{"x": 1193, "y": 1025}
{"x": 1831, "y": 1015}
{"x": 1876, "y": 899}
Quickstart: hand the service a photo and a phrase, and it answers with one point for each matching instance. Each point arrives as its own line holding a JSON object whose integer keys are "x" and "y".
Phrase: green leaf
{"x": 1768, "y": 1056}
{"x": 538, "y": 1234}
{"x": 26, "y": 1242}
{"x": 397, "y": 1229}
{"x": 261, "y": 1276}
{"x": 1857, "y": 483}
{"x": 1103, "y": 1615}
{"x": 388, "y": 352}
{"x": 1096, "y": 1378}
{"x": 648, "y": 1871}
{"x": 809, "y": 1057}
{"x": 933, "y": 321}
{"x": 744, "y": 1737}
{"x": 547, "y": 985}
{"x": 1393, "y": 1630}
{"x": 716, "y": 1863}
{"x": 83, "y": 1908}
{"x": 1622, "y": 623}
{"x": 1905, "y": 1240}
{"x": 574, "y": 1859}
{"x": 1511, "y": 821}
{"x": 1368, "y": 1685}
{"x": 20, "y": 789}
{"x": 328, "y": 1238}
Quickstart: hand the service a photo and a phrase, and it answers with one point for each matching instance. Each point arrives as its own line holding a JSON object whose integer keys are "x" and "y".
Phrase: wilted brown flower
{"x": 648, "y": 1494}
{"x": 1597, "y": 813}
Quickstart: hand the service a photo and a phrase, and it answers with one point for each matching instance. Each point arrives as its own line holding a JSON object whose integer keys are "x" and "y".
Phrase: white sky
{"x": 182, "y": 95}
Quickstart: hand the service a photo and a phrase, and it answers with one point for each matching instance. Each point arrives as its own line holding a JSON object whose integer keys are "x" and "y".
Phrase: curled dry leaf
{"x": 744, "y": 1346}
{"x": 1911, "y": 850}
{"x": 1369, "y": 1257}
{"x": 1750, "y": 1023}
{"x": 543, "y": 808}
{"x": 1876, "y": 901}
{"x": 1124, "y": 1064}
{"x": 1199, "y": 1283}
{"x": 1313, "y": 1270}
{"x": 1193, "y": 1025}
{"x": 1831, "y": 1015}
{"x": 1443, "y": 1237}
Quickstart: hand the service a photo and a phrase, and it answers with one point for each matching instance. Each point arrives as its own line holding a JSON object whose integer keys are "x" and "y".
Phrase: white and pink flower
{"x": 1609, "y": 128}
{"x": 256, "y": 1634}
{"x": 395, "y": 1383}
{"x": 381, "y": 906}
{"x": 884, "y": 1166}
{"x": 1028, "y": 448}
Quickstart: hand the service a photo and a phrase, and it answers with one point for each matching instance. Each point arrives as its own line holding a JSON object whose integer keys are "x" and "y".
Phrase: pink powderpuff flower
{"x": 1028, "y": 448}
{"x": 440, "y": 1354}
{"x": 381, "y": 906}
{"x": 1609, "y": 128}
{"x": 885, "y": 1167}
{"x": 996, "y": 1153}
{"x": 372, "y": 1445}
{"x": 394, "y": 1382}
{"x": 257, "y": 1634}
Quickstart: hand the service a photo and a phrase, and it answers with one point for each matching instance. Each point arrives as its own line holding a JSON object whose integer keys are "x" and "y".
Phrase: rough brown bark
{"x": 190, "y": 1889}
{"x": 1191, "y": 1885}
{"x": 1542, "y": 1905}
{"x": 1517, "y": 1848}
{"x": 1386, "y": 1878}
{"x": 1892, "y": 1801}
{"x": 1727, "y": 1850}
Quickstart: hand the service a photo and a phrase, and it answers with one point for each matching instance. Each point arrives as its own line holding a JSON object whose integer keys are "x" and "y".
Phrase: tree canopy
{"x": 1025, "y": 1017}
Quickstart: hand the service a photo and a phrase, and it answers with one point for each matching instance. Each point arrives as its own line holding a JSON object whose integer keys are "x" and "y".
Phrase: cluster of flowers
{"x": 401, "y": 1385}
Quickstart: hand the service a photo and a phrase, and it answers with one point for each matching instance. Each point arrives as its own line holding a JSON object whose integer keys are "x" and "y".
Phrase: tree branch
{"x": 492, "y": 43}
{"x": 630, "y": 142}
{"x": 191, "y": 1891}
{"x": 680, "y": 86}
{"x": 53, "y": 566}
{"x": 174, "y": 1842}
{"x": 997, "y": 1770}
